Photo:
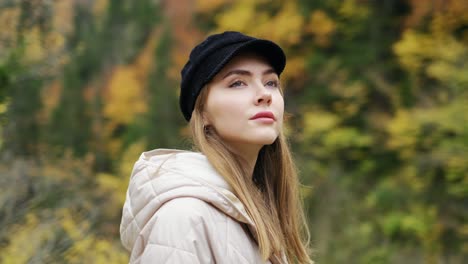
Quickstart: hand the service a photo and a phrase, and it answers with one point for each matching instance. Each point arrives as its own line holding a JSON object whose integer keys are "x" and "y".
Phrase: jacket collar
{"x": 195, "y": 166}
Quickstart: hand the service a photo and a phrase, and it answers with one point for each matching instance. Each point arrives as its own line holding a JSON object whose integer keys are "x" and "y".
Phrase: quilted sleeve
{"x": 185, "y": 230}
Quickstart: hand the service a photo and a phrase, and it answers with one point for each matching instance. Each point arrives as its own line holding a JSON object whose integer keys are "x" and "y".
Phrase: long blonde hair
{"x": 271, "y": 199}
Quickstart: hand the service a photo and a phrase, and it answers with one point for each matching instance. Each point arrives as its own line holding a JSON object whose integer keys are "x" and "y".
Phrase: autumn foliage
{"x": 376, "y": 90}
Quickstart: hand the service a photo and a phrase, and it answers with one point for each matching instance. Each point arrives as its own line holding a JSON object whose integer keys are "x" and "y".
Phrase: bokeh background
{"x": 377, "y": 93}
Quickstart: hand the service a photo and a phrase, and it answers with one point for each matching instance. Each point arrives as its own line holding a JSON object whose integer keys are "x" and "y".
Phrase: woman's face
{"x": 245, "y": 104}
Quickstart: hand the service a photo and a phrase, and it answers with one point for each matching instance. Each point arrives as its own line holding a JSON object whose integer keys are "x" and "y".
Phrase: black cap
{"x": 210, "y": 56}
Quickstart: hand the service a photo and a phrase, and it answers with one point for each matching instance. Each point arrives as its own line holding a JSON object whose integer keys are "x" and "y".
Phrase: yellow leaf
{"x": 25, "y": 240}
{"x": 9, "y": 18}
{"x": 352, "y": 9}
{"x": 124, "y": 97}
{"x": 241, "y": 15}
{"x": 99, "y": 7}
{"x": 404, "y": 132}
{"x": 321, "y": 26}
{"x": 34, "y": 51}
{"x": 208, "y": 6}
{"x": 63, "y": 16}
{"x": 318, "y": 121}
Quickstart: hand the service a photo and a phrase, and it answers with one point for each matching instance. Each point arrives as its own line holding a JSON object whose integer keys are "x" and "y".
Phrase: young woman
{"x": 237, "y": 199}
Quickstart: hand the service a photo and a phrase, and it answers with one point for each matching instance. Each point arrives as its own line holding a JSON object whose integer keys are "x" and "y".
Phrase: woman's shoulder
{"x": 191, "y": 226}
{"x": 190, "y": 164}
{"x": 178, "y": 157}
{"x": 161, "y": 153}
{"x": 181, "y": 221}
{"x": 190, "y": 210}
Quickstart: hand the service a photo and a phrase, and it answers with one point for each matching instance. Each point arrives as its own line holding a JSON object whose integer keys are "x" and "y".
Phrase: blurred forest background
{"x": 377, "y": 92}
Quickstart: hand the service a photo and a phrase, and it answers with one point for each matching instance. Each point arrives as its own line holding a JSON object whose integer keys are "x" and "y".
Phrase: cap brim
{"x": 267, "y": 49}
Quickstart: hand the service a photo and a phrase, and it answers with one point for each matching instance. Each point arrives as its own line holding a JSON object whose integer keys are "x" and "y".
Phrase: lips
{"x": 264, "y": 114}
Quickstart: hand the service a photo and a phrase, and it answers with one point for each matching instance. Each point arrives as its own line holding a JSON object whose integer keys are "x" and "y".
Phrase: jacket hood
{"x": 162, "y": 175}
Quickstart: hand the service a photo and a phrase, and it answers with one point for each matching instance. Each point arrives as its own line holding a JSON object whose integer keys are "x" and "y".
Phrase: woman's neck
{"x": 249, "y": 154}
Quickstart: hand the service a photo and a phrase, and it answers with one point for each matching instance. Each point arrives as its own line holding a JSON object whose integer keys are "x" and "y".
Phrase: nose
{"x": 263, "y": 96}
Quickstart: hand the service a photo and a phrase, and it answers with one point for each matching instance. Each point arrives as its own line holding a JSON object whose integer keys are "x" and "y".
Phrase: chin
{"x": 254, "y": 138}
{"x": 267, "y": 140}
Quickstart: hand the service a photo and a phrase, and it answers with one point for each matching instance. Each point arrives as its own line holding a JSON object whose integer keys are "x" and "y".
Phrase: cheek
{"x": 225, "y": 117}
{"x": 228, "y": 116}
{"x": 278, "y": 104}
{"x": 223, "y": 111}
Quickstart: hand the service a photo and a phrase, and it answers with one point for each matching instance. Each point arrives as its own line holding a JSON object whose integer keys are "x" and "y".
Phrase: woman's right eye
{"x": 236, "y": 84}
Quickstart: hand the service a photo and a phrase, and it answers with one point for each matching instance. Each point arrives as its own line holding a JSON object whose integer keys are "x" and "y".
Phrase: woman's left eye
{"x": 236, "y": 84}
{"x": 272, "y": 83}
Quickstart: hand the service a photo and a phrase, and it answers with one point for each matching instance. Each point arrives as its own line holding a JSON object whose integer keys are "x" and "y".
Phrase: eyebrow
{"x": 244, "y": 72}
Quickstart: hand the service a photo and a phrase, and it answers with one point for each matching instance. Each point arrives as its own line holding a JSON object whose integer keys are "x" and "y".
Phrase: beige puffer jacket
{"x": 180, "y": 210}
